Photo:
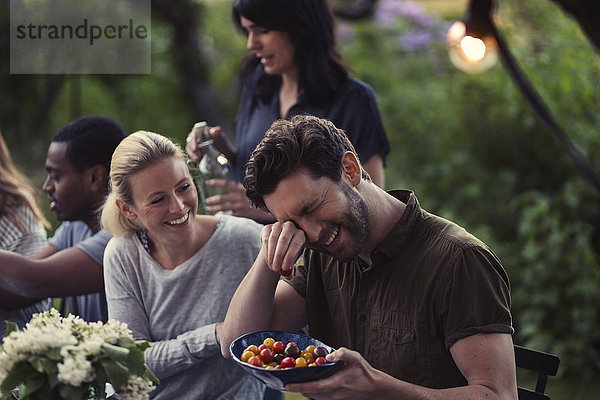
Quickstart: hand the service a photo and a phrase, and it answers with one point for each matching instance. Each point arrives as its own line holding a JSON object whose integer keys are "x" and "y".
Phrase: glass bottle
{"x": 212, "y": 165}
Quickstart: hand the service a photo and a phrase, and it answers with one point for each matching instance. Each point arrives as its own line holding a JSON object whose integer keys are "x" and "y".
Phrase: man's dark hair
{"x": 91, "y": 140}
{"x": 303, "y": 142}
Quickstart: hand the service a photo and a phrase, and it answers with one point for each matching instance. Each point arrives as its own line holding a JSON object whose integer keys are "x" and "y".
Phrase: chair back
{"x": 544, "y": 364}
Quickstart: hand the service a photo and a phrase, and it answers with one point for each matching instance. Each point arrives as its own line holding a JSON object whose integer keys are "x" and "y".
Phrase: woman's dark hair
{"x": 303, "y": 142}
{"x": 310, "y": 24}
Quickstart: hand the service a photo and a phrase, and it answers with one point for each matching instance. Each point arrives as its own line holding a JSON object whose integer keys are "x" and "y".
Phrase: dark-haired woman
{"x": 294, "y": 68}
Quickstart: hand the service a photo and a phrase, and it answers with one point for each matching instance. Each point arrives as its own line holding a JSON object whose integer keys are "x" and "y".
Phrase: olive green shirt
{"x": 431, "y": 284}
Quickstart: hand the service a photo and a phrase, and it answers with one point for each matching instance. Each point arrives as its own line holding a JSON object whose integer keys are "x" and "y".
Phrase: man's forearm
{"x": 10, "y": 301}
{"x": 251, "y": 307}
{"x": 13, "y": 272}
{"x": 69, "y": 272}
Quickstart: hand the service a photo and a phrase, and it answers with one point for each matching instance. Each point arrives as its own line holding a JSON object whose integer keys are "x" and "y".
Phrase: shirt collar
{"x": 392, "y": 243}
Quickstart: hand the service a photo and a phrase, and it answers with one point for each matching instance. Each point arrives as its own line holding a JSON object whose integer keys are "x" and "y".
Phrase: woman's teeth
{"x": 333, "y": 236}
{"x": 179, "y": 220}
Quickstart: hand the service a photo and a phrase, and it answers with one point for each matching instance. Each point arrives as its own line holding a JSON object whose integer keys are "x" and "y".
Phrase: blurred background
{"x": 469, "y": 145}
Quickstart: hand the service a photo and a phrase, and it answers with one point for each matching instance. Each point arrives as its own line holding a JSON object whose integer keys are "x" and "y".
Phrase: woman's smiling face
{"x": 165, "y": 199}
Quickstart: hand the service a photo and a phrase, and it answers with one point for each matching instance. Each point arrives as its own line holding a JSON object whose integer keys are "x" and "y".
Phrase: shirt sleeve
{"x": 169, "y": 357}
{"x": 69, "y": 233}
{"x": 59, "y": 240}
{"x": 299, "y": 278}
{"x": 356, "y": 111}
{"x": 94, "y": 246}
{"x": 30, "y": 244}
{"x": 477, "y": 296}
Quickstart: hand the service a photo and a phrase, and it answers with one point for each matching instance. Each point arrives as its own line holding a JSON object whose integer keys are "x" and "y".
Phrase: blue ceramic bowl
{"x": 278, "y": 378}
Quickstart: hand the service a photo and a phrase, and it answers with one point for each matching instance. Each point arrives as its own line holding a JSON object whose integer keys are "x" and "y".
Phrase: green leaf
{"x": 50, "y": 367}
{"x": 115, "y": 352}
{"x": 53, "y": 380}
{"x": 117, "y": 373}
{"x": 19, "y": 373}
{"x": 142, "y": 345}
{"x": 125, "y": 342}
{"x": 149, "y": 375}
{"x": 72, "y": 392}
{"x": 34, "y": 384}
{"x": 54, "y": 354}
{"x": 10, "y": 327}
{"x": 36, "y": 363}
{"x": 135, "y": 362}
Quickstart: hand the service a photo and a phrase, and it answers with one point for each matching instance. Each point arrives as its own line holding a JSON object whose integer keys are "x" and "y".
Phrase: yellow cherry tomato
{"x": 246, "y": 355}
{"x": 309, "y": 357}
{"x": 301, "y": 362}
{"x": 269, "y": 342}
{"x": 253, "y": 348}
{"x": 309, "y": 349}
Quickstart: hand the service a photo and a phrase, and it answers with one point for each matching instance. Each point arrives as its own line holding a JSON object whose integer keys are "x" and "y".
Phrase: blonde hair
{"x": 135, "y": 153}
{"x": 16, "y": 191}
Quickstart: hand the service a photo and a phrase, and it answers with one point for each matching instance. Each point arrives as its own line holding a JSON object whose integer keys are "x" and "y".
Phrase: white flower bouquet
{"x": 68, "y": 358}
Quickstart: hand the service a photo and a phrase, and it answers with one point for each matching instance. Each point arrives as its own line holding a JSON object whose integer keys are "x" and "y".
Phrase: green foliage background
{"x": 468, "y": 145}
{"x": 474, "y": 152}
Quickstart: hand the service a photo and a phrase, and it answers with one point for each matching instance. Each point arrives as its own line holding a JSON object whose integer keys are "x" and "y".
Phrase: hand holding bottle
{"x": 199, "y": 133}
{"x": 216, "y": 189}
{"x": 211, "y": 165}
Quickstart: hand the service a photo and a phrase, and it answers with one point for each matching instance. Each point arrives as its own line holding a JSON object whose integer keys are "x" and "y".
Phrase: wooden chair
{"x": 544, "y": 364}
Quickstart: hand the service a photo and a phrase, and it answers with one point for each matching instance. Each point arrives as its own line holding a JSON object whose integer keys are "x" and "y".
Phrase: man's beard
{"x": 354, "y": 222}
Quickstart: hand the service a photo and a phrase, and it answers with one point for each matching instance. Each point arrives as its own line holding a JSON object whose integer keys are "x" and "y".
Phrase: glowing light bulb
{"x": 470, "y": 54}
{"x": 473, "y": 48}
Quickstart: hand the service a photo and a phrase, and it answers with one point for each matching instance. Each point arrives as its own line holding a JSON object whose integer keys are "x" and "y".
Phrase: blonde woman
{"x": 170, "y": 274}
{"x": 22, "y": 231}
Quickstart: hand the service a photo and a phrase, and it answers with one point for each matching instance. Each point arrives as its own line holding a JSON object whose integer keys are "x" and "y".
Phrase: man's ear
{"x": 351, "y": 168}
{"x": 98, "y": 177}
{"x": 126, "y": 210}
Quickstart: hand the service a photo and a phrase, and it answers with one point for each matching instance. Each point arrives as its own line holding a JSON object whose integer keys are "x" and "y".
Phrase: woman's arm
{"x": 170, "y": 357}
{"x": 164, "y": 357}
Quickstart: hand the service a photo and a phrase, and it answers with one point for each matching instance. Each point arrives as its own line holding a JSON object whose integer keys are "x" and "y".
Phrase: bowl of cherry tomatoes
{"x": 281, "y": 357}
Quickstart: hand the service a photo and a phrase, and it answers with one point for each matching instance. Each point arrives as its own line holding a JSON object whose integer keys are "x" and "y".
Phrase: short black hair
{"x": 91, "y": 140}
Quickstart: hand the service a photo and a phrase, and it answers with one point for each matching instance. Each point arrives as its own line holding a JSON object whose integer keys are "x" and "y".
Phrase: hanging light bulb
{"x": 471, "y": 46}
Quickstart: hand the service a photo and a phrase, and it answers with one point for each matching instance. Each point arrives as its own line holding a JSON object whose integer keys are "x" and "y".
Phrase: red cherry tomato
{"x": 319, "y": 352}
{"x": 266, "y": 355}
{"x": 278, "y": 357}
{"x": 320, "y": 360}
{"x": 261, "y": 348}
{"x": 288, "y": 362}
{"x": 287, "y": 274}
{"x": 255, "y": 360}
{"x": 278, "y": 347}
{"x": 292, "y": 350}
